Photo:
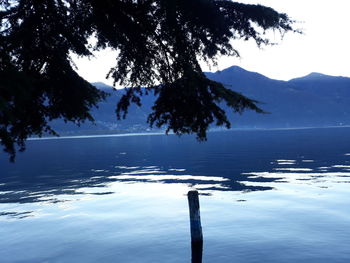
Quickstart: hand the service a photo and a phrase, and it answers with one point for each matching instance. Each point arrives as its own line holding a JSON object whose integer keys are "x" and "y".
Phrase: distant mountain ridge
{"x": 315, "y": 100}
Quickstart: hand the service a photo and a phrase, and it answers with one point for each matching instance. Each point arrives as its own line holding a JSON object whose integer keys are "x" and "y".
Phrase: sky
{"x": 323, "y": 47}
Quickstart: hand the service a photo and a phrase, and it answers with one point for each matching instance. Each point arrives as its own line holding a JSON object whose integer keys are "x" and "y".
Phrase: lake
{"x": 265, "y": 196}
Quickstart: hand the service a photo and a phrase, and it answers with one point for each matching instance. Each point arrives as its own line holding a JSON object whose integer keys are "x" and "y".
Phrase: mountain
{"x": 315, "y": 100}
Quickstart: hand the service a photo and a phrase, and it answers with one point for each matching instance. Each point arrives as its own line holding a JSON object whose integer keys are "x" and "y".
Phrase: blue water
{"x": 266, "y": 196}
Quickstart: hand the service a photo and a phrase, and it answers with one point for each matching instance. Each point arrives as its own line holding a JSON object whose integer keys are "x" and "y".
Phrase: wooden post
{"x": 195, "y": 218}
{"x": 197, "y": 252}
{"x": 196, "y": 227}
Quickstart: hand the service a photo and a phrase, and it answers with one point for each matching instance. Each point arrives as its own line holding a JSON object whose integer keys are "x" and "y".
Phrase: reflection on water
{"x": 18, "y": 215}
{"x": 257, "y": 189}
{"x": 51, "y": 188}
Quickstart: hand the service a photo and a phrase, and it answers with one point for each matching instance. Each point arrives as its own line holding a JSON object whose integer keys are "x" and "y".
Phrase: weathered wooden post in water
{"x": 196, "y": 227}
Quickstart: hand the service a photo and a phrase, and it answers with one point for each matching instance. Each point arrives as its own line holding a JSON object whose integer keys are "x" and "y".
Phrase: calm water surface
{"x": 266, "y": 196}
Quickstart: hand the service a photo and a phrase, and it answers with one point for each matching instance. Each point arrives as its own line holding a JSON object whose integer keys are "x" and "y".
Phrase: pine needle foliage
{"x": 159, "y": 44}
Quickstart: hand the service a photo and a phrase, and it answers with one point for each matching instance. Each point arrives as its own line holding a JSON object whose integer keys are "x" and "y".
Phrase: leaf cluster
{"x": 159, "y": 44}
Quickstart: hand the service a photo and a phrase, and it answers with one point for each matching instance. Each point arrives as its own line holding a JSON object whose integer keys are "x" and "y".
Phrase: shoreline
{"x": 163, "y": 133}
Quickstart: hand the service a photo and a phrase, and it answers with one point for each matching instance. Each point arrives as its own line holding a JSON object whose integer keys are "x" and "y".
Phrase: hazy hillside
{"x": 314, "y": 100}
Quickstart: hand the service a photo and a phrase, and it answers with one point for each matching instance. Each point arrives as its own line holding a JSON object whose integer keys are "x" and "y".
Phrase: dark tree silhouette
{"x": 159, "y": 44}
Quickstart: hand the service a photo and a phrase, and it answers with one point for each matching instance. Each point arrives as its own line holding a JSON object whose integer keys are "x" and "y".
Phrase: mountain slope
{"x": 315, "y": 100}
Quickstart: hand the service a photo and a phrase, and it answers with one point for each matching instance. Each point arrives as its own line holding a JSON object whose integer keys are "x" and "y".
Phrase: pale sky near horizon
{"x": 323, "y": 47}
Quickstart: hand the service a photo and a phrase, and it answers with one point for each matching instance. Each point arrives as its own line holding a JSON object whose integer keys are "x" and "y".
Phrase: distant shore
{"x": 163, "y": 133}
